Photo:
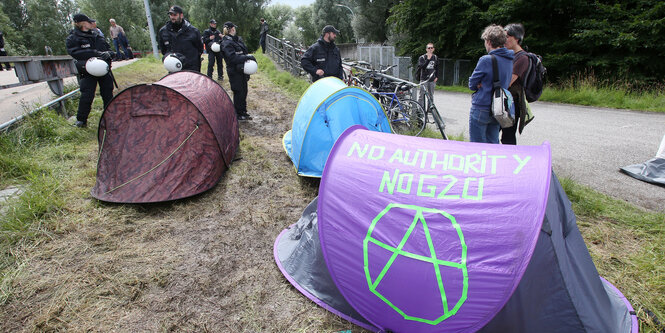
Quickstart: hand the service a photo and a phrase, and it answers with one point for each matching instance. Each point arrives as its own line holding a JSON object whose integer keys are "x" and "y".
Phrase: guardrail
{"x": 35, "y": 69}
{"x": 286, "y": 54}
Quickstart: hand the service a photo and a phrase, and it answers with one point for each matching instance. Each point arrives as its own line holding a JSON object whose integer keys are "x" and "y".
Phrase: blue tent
{"x": 324, "y": 111}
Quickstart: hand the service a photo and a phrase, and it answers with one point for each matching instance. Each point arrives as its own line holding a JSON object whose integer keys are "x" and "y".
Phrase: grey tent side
{"x": 560, "y": 291}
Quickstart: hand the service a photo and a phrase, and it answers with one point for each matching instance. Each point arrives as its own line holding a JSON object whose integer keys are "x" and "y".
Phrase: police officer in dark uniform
{"x": 210, "y": 36}
{"x": 323, "y": 58}
{"x": 84, "y": 43}
{"x": 235, "y": 53}
{"x": 182, "y": 38}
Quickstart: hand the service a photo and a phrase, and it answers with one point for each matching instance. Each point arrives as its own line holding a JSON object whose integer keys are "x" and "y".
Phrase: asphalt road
{"x": 589, "y": 144}
{"x": 23, "y": 99}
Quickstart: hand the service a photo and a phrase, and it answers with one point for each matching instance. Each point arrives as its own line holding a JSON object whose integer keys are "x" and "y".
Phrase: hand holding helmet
{"x": 172, "y": 63}
{"x": 215, "y": 47}
{"x": 96, "y": 67}
{"x": 250, "y": 66}
{"x": 106, "y": 55}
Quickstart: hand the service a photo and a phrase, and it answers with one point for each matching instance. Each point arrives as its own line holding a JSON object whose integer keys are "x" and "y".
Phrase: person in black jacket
{"x": 210, "y": 36}
{"x": 235, "y": 53}
{"x": 3, "y": 52}
{"x": 323, "y": 57}
{"x": 82, "y": 44}
{"x": 182, "y": 38}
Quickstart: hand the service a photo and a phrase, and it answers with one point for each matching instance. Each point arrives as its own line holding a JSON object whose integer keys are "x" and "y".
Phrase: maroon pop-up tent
{"x": 164, "y": 141}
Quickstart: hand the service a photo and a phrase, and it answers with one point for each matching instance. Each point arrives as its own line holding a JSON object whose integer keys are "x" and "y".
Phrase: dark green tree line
{"x": 614, "y": 39}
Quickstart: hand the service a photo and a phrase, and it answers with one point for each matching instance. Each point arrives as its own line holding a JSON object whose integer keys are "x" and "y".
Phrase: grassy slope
{"x": 54, "y": 162}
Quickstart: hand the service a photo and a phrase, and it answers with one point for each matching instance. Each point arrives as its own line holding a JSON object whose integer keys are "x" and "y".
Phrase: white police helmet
{"x": 172, "y": 63}
{"x": 250, "y": 67}
{"x": 215, "y": 47}
{"x": 97, "y": 67}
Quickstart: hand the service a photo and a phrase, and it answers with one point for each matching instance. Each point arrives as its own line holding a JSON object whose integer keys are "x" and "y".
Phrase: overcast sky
{"x": 292, "y": 3}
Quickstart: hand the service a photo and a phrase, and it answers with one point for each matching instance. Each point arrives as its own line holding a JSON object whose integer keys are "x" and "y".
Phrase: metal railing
{"x": 286, "y": 54}
{"x": 35, "y": 69}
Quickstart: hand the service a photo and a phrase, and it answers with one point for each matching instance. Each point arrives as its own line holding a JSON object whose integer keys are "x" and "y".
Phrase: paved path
{"x": 22, "y": 99}
{"x": 589, "y": 144}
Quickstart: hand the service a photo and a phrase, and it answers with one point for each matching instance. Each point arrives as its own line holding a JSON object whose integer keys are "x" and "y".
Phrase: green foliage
{"x": 31, "y": 157}
{"x": 369, "y": 23}
{"x": 586, "y": 89}
{"x": 325, "y": 13}
{"x": 48, "y": 24}
{"x": 617, "y": 40}
{"x": 306, "y": 26}
{"x": 295, "y": 86}
{"x": 277, "y": 16}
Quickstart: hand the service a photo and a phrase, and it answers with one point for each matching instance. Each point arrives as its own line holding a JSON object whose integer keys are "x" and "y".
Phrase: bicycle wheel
{"x": 439, "y": 122}
{"x": 407, "y": 117}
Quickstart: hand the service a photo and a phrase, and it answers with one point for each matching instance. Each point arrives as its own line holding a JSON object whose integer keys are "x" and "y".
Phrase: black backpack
{"x": 534, "y": 78}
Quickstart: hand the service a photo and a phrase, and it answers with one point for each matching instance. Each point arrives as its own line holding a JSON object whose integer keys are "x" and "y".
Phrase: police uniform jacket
{"x": 325, "y": 56}
{"x": 186, "y": 41}
{"x": 235, "y": 53}
{"x": 206, "y": 37}
{"x": 83, "y": 45}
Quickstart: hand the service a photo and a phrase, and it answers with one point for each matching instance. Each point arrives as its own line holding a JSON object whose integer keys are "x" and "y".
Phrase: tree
{"x": 13, "y": 44}
{"x": 614, "y": 39}
{"x": 305, "y": 25}
{"x": 278, "y": 16}
{"x": 48, "y": 24}
{"x": 369, "y": 23}
{"x": 325, "y": 13}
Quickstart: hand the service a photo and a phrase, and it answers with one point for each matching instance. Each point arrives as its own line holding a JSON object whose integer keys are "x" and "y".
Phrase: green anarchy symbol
{"x": 418, "y": 220}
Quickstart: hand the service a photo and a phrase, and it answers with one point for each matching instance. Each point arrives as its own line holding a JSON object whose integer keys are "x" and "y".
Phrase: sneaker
{"x": 79, "y": 123}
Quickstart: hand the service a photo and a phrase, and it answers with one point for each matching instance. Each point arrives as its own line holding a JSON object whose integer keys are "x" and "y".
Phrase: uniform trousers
{"x": 88, "y": 84}
{"x": 212, "y": 56}
{"x": 238, "y": 83}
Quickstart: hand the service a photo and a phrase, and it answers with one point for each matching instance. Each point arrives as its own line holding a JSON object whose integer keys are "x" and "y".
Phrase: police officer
{"x": 323, "y": 57}
{"x": 235, "y": 53}
{"x": 182, "y": 38}
{"x": 210, "y": 36}
{"x": 84, "y": 43}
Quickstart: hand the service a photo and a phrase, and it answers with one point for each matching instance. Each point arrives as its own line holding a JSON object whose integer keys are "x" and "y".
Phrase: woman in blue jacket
{"x": 482, "y": 125}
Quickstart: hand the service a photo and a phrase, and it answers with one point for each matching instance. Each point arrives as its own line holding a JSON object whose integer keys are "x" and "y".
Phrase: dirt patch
{"x": 203, "y": 264}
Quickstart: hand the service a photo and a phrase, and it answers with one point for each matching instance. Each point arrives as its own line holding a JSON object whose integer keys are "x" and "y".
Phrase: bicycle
{"x": 430, "y": 107}
{"x": 406, "y": 116}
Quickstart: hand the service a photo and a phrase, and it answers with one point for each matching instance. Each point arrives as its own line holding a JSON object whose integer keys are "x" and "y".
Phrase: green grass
{"x": 294, "y": 86}
{"x": 35, "y": 157}
{"x": 627, "y": 245}
{"x": 39, "y": 156}
{"x": 43, "y": 153}
{"x": 584, "y": 94}
{"x": 586, "y": 90}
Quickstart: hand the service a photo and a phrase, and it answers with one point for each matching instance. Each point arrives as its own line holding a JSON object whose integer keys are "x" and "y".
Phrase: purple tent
{"x": 424, "y": 235}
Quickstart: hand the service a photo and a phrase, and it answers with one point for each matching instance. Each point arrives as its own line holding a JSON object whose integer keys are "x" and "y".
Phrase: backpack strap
{"x": 495, "y": 70}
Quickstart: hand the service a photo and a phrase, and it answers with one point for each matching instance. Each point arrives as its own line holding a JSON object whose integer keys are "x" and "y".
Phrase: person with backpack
{"x": 514, "y": 37}
{"x": 483, "y": 127}
{"x": 428, "y": 63}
